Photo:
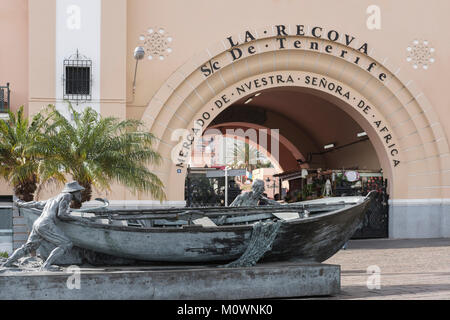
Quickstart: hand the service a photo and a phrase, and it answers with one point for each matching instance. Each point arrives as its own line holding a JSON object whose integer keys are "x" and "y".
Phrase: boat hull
{"x": 310, "y": 239}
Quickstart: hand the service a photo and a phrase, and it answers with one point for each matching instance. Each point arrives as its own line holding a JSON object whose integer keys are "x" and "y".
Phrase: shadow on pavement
{"x": 397, "y": 243}
{"x": 396, "y": 291}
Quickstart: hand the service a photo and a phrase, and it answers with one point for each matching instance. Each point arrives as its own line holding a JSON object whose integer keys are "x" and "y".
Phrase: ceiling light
{"x": 257, "y": 94}
{"x": 328, "y": 146}
{"x": 248, "y": 100}
{"x": 361, "y": 134}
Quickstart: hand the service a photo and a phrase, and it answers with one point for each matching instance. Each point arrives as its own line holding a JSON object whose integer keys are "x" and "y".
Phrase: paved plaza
{"x": 409, "y": 269}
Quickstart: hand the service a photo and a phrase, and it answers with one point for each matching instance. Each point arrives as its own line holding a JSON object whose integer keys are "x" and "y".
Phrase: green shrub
{"x": 4, "y": 254}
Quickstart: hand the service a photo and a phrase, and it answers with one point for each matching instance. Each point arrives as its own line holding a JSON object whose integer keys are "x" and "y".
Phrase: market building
{"x": 366, "y": 80}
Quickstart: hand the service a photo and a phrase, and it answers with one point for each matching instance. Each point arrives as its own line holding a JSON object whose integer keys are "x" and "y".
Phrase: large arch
{"x": 399, "y": 117}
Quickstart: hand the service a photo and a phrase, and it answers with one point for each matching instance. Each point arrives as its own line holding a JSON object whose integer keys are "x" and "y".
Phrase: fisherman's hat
{"x": 72, "y": 186}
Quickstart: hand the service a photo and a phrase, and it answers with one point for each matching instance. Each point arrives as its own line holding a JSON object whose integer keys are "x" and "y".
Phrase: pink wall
{"x": 14, "y": 50}
{"x": 14, "y": 56}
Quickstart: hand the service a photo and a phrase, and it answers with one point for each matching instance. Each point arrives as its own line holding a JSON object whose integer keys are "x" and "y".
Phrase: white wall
{"x": 78, "y": 27}
{"x": 419, "y": 218}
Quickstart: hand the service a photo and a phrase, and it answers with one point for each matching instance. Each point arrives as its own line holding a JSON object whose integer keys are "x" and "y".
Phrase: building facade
{"x": 310, "y": 73}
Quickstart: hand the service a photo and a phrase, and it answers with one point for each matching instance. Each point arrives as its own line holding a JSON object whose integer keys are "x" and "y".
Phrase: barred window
{"x": 4, "y": 98}
{"x": 77, "y": 78}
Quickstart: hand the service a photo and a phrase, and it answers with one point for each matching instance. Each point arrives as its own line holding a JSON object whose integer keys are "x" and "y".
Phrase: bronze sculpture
{"x": 254, "y": 197}
{"x": 244, "y": 234}
{"x": 45, "y": 228}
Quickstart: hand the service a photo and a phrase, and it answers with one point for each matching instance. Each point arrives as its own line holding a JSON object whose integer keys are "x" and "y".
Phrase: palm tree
{"x": 96, "y": 151}
{"x": 18, "y": 163}
{"x": 247, "y": 157}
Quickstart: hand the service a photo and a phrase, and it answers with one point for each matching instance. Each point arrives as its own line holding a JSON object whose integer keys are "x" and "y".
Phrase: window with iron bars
{"x": 4, "y": 98}
{"x": 77, "y": 78}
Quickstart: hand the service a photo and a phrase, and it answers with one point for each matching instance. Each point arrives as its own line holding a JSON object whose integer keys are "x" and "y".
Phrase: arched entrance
{"x": 398, "y": 119}
{"x": 306, "y": 121}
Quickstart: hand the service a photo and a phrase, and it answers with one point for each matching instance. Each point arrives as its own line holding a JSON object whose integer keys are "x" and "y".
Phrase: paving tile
{"x": 417, "y": 269}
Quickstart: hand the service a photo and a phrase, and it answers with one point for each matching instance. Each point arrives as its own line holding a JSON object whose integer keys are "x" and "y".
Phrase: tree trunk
{"x": 86, "y": 195}
{"x": 25, "y": 190}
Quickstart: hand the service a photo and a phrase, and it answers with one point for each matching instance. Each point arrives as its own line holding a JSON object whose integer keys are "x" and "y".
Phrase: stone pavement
{"x": 409, "y": 269}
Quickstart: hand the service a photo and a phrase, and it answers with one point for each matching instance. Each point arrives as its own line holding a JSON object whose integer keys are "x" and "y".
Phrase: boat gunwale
{"x": 195, "y": 228}
{"x": 309, "y": 204}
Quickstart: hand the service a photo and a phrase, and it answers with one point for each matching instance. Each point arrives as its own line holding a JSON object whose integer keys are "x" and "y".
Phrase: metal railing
{"x": 4, "y": 98}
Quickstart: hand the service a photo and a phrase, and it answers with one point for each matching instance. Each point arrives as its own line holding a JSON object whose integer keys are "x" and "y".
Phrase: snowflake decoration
{"x": 420, "y": 54}
{"x": 157, "y": 43}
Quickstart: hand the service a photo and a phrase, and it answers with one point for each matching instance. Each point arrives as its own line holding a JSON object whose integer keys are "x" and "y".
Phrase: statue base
{"x": 267, "y": 280}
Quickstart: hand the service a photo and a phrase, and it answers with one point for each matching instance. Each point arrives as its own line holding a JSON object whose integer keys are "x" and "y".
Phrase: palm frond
{"x": 98, "y": 151}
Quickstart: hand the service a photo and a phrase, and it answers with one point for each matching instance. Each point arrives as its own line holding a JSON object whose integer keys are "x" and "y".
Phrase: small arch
{"x": 293, "y": 150}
